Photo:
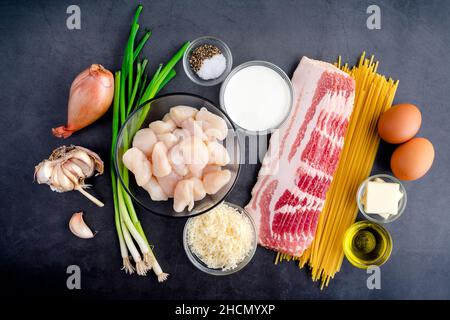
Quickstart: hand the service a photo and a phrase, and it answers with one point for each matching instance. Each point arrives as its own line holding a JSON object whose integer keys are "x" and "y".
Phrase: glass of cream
{"x": 257, "y": 96}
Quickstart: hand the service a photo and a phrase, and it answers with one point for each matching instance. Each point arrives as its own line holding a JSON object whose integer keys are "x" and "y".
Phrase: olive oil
{"x": 367, "y": 243}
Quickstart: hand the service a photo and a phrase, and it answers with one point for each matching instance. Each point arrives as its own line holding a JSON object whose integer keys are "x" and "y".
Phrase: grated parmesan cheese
{"x": 221, "y": 238}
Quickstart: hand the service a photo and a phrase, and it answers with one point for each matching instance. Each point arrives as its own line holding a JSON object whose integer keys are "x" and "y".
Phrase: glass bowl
{"x": 153, "y": 110}
{"x": 264, "y": 64}
{"x": 219, "y": 272}
{"x": 199, "y": 42}
{"x": 375, "y": 217}
{"x": 351, "y": 241}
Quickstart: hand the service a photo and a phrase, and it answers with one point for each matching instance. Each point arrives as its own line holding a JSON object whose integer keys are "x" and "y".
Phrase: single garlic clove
{"x": 83, "y": 156}
{"x": 54, "y": 181}
{"x": 87, "y": 159}
{"x": 87, "y": 170}
{"x": 43, "y": 172}
{"x": 79, "y": 227}
{"x": 98, "y": 163}
{"x": 69, "y": 174}
{"x": 64, "y": 181}
{"x": 69, "y": 165}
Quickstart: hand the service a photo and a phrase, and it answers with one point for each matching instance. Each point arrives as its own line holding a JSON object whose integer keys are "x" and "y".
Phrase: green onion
{"x": 141, "y": 44}
{"x": 131, "y": 89}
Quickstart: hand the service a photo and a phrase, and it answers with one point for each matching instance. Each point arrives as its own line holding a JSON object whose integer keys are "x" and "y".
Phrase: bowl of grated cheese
{"x": 221, "y": 241}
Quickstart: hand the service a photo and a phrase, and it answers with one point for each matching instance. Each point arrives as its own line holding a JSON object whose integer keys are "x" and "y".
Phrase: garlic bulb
{"x": 79, "y": 227}
{"x": 67, "y": 168}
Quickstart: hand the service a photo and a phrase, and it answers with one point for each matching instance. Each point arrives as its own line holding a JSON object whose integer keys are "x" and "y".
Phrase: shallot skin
{"x": 91, "y": 95}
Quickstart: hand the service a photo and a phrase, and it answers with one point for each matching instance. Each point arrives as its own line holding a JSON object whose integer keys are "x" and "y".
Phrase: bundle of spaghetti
{"x": 374, "y": 95}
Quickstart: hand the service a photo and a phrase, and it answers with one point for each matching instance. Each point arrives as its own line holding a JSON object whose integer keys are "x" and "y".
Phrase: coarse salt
{"x": 212, "y": 67}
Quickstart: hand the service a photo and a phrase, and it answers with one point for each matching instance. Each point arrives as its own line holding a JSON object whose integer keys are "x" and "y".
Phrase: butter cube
{"x": 382, "y": 198}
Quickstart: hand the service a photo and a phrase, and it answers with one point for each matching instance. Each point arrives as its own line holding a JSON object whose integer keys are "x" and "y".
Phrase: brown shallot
{"x": 90, "y": 97}
{"x": 67, "y": 168}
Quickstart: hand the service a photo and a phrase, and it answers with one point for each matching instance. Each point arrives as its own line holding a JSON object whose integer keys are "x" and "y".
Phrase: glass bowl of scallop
{"x": 177, "y": 155}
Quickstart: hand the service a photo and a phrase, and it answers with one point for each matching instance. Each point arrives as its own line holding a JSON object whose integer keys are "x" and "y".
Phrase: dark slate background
{"x": 40, "y": 57}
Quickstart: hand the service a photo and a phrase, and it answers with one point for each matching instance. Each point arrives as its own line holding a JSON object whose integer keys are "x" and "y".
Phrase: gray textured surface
{"x": 40, "y": 57}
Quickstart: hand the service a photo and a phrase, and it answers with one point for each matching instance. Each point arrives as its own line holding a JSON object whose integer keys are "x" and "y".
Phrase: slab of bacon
{"x": 302, "y": 158}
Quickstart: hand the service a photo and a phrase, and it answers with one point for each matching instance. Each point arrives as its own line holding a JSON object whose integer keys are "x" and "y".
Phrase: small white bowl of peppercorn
{"x": 207, "y": 61}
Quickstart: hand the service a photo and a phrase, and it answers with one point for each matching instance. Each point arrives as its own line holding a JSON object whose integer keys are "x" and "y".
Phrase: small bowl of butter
{"x": 381, "y": 198}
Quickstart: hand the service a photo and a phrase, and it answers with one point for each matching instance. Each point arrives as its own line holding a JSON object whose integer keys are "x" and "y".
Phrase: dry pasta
{"x": 374, "y": 95}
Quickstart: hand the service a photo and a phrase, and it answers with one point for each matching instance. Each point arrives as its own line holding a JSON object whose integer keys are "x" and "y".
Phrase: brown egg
{"x": 399, "y": 123}
{"x": 411, "y": 160}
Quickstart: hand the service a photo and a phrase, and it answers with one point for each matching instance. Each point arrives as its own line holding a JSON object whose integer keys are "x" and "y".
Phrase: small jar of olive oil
{"x": 367, "y": 243}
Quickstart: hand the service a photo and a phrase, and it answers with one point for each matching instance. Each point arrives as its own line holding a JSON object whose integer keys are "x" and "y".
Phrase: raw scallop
{"x": 181, "y": 134}
{"x": 181, "y": 113}
{"x": 195, "y": 154}
{"x": 213, "y": 125}
{"x": 183, "y": 196}
{"x": 168, "y": 138}
{"x": 214, "y": 181}
{"x": 169, "y": 182}
{"x": 217, "y": 153}
{"x": 199, "y": 190}
{"x": 161, "y": 165}
{"x": 136, "y": 161}
{"x": 163, "y": 126}
{"x": 177, "y": 161}
{"x": 145, "y": 140}
{"x": 194, "y": 128}
{"x": 154, "y": 190}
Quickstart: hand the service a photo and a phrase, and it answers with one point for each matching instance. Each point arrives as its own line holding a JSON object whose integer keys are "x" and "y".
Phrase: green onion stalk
{"x": 132, "y": 88}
